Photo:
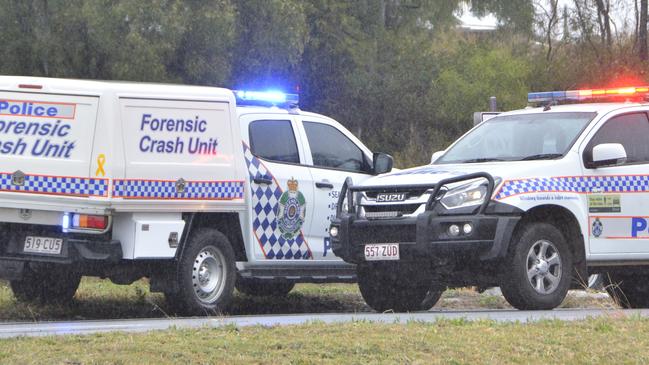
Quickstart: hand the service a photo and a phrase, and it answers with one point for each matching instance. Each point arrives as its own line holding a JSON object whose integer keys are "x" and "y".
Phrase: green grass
{"x": 603, "y": 340}
{"x": 100, "y": 299}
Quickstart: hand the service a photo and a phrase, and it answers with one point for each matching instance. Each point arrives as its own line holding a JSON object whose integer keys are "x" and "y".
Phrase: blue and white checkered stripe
{"x": 153, "y": 189}
{"x": 57, "y": 185}
{"x": 576, "y": 184}
{"x": 265, "y": 203}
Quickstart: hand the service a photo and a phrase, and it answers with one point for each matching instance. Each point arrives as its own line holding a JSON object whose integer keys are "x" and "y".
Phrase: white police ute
{"x": 197, "y": 188}
{"x": 532, "y": 200}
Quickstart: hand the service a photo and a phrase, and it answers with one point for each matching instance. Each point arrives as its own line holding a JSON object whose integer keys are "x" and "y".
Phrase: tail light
{"x": 85, "y": 222}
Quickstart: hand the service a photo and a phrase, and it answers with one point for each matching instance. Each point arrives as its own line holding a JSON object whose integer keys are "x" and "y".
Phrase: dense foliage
{"x": 401, "y": 74}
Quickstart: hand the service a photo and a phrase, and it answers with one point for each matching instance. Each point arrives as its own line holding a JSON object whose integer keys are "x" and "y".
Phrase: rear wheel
{"x": 264, "y": 288}
{"x": 628, "y": 291}
{"x": 538, "y": 268}
{"x": 46, "y": 284}
{"x": 206, "y": 275}
{"x": 390, "y": 286}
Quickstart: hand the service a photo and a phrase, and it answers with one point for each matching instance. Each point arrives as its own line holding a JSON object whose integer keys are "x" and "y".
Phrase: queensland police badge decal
{"x": 291, "y": 211}
{"x": 598, "y": 228}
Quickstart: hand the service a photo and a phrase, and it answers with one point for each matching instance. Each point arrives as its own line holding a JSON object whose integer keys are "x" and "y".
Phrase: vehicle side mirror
{"x": 608, "y": 154}
{"x": 382, "y": 163}
{"x": 436, "y": 156}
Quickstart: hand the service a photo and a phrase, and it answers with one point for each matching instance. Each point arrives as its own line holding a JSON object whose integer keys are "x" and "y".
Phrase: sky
{"x": 623, "y": 15}
{"x": 471, "y": 21}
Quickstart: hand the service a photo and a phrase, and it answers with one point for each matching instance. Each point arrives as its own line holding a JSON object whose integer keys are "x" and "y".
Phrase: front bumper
{"x": 427, "y": 236}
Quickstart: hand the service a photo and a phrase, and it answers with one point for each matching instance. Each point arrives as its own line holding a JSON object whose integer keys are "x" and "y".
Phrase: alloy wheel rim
{"x": 544, "y": 267}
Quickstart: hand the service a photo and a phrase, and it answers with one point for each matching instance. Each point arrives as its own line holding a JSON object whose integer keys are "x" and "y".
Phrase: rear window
{"x": 274, "y": 140}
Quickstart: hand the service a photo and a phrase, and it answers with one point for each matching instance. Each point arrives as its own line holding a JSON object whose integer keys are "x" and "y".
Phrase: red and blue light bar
{"x": 589, "y": 94}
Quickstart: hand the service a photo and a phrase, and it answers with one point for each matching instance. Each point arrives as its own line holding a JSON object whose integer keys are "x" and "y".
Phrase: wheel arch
{"x": 226, "y": 223}
{"x": 568, "y": 224}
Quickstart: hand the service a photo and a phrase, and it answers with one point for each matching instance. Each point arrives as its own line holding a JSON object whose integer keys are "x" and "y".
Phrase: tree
{"x": 160, "y": 40}
{"x": 642, "y": 31}
{"x": 270, "y": 39}
{"x": 516, "y": 15}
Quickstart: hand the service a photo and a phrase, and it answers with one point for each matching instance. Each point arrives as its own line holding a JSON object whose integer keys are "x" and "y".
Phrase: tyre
{"x": 206, "y": 274}
{"x": 52, "y": 286}
{"x": 390, "y": 286}
{"x": 628, "y": 291}
{"x": 264, "y": 288}
{"x": 538, "y": 268}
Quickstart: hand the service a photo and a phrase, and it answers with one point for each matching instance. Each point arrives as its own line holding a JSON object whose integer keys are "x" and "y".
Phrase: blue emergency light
{"x": 271, "y": 97}
{"x": 588, "y": 94}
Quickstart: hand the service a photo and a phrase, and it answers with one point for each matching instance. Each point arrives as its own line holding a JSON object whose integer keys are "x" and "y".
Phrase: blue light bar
{"x": 546, "y": 96}
{"x": 266, "y": 97}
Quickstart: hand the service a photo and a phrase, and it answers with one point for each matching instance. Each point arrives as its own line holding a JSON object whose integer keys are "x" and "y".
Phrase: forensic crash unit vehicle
{"x": 532, "y": 200}
{"x": 197, "y": 188}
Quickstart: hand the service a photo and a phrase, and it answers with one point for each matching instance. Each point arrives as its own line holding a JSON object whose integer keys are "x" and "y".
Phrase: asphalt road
{"x": 16, "y": 329}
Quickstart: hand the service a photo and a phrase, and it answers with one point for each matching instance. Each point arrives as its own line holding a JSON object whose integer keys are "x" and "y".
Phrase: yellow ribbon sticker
{"x": 101, "y": 160}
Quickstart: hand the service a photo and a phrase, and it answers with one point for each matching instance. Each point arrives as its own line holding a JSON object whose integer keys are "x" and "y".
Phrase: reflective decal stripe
{"x": 166, "y": 189}
{"x": 576, "y": 184}
{"x": 56, "y": 185}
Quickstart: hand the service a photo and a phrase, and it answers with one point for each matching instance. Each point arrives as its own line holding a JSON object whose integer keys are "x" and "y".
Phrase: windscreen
{"x": 519, "y": 137}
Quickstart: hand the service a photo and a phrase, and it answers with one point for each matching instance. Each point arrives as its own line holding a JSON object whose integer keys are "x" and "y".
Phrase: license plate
{"x": 384, "y": 251}
{"x": 47, "y": 245}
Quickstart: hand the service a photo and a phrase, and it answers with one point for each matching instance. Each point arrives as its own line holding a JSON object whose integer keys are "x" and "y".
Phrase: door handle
{"x": 324, "y": 185}
{"x": 262, "y": 180}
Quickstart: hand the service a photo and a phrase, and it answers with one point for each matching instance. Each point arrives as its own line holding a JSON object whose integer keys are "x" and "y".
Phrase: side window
{"x": 274, "y": 140}
{"x": 332, "y": 149}
{"x": 631, "y": 131}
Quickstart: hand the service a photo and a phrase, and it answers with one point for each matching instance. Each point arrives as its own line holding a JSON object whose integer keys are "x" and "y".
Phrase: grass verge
{"x": 100, "y": 299}
{"x": 601, "y": 340}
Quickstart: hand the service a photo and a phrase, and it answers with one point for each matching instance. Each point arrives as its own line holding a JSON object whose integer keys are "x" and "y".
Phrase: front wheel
{"x": 390, "y": 286}
{"x": 206, "y": 275}
{"x": 538, "y": 269}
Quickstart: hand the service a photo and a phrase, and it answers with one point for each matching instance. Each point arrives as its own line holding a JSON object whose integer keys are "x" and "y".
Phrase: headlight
{"x": 467, "y": 195}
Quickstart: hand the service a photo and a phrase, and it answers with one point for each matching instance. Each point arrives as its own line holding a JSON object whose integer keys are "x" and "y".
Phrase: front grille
{"x": 400, "y": 208}
{"x": 382, "y": 215}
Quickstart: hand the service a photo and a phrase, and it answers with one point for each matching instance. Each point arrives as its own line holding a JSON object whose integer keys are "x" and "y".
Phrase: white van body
{"x": 157, "y": 162}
